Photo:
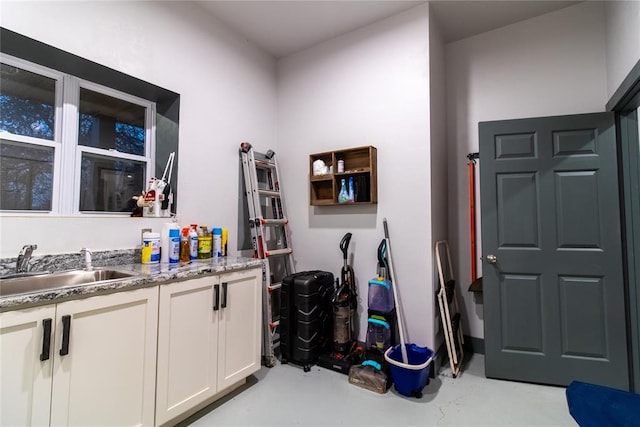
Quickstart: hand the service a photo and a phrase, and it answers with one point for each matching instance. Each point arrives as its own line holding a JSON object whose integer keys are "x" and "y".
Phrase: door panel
{"x": 26, "y": 364}
{"x": 554, "y": 300}
{"x": 522, "y": 320}
{"x": 516, "y": 192}
{"x": 577, "y": 197}
{"x": 583, "y": 331}
{"x": 239, "y": 354}
{"x": 187, "y": 366}
{"x": 110, "y": 361}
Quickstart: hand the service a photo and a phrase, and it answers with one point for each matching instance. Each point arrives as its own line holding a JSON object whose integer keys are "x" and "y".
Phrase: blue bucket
{"x": 409, "y": 378}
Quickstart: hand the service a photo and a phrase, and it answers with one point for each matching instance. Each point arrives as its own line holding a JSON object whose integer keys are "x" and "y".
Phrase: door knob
{"x": 491, "y": 259}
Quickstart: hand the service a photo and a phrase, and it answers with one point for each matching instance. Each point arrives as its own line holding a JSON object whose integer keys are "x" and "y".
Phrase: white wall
{"x": 369, "y": 87}
{"x": 550, "y": 65}
{"x": 439, "y": 180}
{"x": 228, "y": 95}
{"x": 623, "y": 40}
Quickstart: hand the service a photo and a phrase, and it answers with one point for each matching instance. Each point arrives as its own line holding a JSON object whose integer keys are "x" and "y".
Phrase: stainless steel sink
{"x": 17, "y": 284}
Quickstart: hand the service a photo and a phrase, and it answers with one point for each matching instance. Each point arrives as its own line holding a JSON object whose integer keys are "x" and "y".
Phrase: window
{"x": 29, "y": 131}
{"x": 68, "y": 145}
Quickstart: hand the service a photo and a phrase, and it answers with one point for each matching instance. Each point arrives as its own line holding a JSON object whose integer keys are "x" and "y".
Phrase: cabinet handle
{"x": 224, "y": 295}
{"x": 216, "y": 298}
{"x": 66, "y": 329}
{"x": 46, "y": 339}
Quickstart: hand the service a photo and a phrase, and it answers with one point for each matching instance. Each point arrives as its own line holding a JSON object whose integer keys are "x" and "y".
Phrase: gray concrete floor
{"x": 285, "y": 395}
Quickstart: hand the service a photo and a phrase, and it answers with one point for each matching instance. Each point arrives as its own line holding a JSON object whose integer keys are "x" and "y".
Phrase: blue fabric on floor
{"x": 597, "y": 406}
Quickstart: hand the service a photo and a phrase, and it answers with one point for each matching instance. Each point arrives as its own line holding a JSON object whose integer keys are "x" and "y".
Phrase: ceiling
{"x": 285, "y": 27}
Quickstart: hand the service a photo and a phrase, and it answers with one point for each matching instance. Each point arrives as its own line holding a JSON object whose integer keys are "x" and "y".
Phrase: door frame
{"x": 625, "y": 102}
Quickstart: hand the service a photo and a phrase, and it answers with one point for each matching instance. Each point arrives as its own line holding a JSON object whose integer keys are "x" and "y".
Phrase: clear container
{"x": 378, "y": 335}
{"x": 380, "y": 296}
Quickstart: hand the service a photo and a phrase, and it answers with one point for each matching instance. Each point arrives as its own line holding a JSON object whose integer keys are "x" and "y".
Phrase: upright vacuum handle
{"x": 382, "y": 259}
{"x": 344, "y": 244}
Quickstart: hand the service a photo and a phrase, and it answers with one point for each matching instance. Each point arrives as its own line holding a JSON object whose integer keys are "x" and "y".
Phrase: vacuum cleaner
{"x": 374, "y": 372}
{"x": 346, "y": 350}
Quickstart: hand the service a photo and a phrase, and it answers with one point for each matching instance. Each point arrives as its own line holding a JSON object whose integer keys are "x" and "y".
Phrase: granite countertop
{"x": 145, "y": 275}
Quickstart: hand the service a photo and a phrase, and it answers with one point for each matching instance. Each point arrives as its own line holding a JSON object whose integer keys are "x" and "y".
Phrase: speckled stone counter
{"x": 59, "y": 262}
{"x": 144, "y": 275}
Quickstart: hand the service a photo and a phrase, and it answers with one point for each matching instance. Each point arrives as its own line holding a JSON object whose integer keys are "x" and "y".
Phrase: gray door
{"x": 553, "y": 286}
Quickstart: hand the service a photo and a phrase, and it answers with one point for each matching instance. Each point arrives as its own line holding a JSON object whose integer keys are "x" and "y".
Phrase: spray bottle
{"x": 158, "y": 197}
{"x": 193, "y": 242}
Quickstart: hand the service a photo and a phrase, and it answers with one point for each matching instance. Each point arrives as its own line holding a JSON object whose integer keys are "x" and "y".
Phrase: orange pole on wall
{"x": 472, "y": 214}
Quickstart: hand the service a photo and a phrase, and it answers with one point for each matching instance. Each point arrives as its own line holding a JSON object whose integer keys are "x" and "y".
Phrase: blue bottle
{"x": 174, "y": 246}
{"x": 351, "y": 196}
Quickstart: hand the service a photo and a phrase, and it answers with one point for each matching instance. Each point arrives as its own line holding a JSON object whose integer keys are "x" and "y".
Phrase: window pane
{"x": 108, "y": 184}
{"x": 111, "y": 123}
{"x": 26, "y": 176}
{"x": 27, "y": 103}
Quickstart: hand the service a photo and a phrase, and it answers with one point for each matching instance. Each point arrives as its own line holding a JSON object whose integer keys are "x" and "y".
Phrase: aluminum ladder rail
{"x": 449, "y": 309}
{"x": 270, "y": 238}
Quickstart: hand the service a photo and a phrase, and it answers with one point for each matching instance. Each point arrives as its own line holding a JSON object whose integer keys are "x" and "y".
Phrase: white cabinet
{"x": 101, "y": 366}
{"x": 208, "y": 339}
{"x": 239, "y": 330}
{"x": 112, "y": 360}
{"x": 108, "y": 375}
{"x": 25, "y": 379}
{"x": 187, "y": 346}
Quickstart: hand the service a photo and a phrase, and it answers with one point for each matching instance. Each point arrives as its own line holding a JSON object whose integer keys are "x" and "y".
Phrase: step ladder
{"x": 449, "y": 310}
{"x": 270, "y": 239}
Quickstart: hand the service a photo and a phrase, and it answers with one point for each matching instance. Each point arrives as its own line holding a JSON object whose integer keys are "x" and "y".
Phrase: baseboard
{"x": 473, "y": 345}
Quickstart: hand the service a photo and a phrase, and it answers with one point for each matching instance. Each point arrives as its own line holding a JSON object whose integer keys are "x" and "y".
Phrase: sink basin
{"x": 29, "y": 283}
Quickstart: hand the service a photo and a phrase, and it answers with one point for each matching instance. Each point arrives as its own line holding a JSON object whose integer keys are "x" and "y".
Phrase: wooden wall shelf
{"x": 359, "y": 163}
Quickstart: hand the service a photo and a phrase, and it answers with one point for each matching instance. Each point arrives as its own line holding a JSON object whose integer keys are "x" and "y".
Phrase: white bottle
{"x": 193, "y": 242}
{"x": 165, "y": 241}
{"x": 217, "y": 243}
{"x": 174, "y": 246}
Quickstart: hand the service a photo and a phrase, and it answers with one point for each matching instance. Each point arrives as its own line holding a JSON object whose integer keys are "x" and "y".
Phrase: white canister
{"x": 340, "y": 166}
{"x": 150, "y": 248}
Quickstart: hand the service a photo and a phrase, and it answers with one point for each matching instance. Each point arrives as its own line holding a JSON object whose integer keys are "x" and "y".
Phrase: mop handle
{"x": 392, "y": 274}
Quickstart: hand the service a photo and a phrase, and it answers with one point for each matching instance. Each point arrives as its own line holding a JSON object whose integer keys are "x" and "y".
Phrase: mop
{"x": 392, "y": 274}
{"x": 412, "y": 374}
{"x": 371, "y": 374}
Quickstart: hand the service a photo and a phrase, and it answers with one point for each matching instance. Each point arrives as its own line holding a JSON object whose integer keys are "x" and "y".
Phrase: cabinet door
{"x": 107, "y": 376}
{"x": 240, "y": 333}
{"x": 187, "y": 346}
{"x": 25, "y": 390}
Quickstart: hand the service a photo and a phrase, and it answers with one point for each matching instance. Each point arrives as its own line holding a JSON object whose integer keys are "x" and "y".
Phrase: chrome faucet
{"x": 87, "y": 258}
{"x": 22, "y": 264}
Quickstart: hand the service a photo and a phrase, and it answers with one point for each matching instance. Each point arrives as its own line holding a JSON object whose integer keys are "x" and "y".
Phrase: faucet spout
{"x": 87, "y": 258}
{"x": 22, "y": 264}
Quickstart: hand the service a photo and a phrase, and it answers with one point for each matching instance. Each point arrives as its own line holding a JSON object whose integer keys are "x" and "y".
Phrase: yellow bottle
{"x": 204, "y": 243}
{"x": 225, "y": 239}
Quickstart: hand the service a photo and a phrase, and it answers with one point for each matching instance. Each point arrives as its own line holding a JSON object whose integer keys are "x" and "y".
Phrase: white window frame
{"x": 67, "y": 151}
{"x": 56, "y": 143}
